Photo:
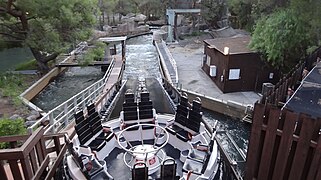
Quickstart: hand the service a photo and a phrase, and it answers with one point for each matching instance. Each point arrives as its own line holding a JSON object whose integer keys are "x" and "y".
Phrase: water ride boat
{"x": 143, "y": 144}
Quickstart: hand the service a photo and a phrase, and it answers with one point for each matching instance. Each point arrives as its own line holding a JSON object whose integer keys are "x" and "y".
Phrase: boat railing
{"x": 62, "y": 115}
{"x": 32, "y": 160}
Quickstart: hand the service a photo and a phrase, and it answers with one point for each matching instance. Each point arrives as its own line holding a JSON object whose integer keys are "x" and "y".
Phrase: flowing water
{"x": 67, "y": 85}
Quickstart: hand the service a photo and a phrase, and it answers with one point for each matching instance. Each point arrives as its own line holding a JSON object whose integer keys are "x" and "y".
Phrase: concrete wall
{"x": 228, "y": 108}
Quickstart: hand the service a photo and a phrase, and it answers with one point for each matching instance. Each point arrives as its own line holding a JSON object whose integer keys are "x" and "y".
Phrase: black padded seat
{"x": 91, "y": 109}
{"x": 130, "y": 104}
{"x": 85, "y": 133}
{"x": 144, "y": 127}
{"x": 183, "y": 135}
{"x": 146, "y": 114}
{"x": 140, "y": 173}
{"x": 132, "y": 128}
{"x": 197, "y": 106}
{"x": 180, "y": 119}
{"x": 79, "y": 116}
{"x": 183, "y": 110}
{"x": 96, "y": 127}
{"x": 184, "y": 101}
{"x": 130, "y": 115}
{"x": 193, "y": 165}
{"x": 173, "y": 129}
{"x": 129, "y": 97}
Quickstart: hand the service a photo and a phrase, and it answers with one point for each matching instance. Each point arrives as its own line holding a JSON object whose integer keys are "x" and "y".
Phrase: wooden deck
{"x": 115, "y": 73}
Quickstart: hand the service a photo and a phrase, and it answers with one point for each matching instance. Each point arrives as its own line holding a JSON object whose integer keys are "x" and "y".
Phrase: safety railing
{"x": 62, "y": 115}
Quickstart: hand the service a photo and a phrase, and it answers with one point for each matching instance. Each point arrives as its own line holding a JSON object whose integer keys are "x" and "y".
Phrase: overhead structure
{"x": 122, "y": 39}
{"x": 171, "y": 15}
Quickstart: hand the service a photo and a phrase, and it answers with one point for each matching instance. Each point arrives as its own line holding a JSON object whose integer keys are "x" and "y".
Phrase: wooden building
{"x": 234, "y": 67}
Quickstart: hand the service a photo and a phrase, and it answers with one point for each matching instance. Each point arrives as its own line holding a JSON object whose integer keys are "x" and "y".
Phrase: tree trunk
{"x": 43, "y": 59}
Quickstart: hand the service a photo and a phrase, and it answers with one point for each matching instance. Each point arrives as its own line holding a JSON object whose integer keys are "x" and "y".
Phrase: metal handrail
{"x": 61, "y": 115}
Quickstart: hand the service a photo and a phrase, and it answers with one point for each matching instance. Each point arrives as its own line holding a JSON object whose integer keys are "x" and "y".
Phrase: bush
{"x": 12, "y": 85}
{"x": 10, "y": 127}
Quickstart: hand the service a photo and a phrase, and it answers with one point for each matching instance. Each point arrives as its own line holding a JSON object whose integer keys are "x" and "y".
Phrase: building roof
{"x": 307, "y": 98}
{"x": 236, "y": 45}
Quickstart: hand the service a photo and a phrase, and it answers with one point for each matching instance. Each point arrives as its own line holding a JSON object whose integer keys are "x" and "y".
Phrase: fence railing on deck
{"x": 31, "y": 160}
{"x": 283, "y": 145}
{"x": 62, "y": 115}
{"x": 279, "y": 92}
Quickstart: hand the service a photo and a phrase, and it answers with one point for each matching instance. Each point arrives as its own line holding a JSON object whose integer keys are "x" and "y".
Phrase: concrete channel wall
{"x": 229, "y": 108}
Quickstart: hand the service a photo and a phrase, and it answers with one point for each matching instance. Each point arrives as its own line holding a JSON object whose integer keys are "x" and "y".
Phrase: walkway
{"x": 115, "y": 72}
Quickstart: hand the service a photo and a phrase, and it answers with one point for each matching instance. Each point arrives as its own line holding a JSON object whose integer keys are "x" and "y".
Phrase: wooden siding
{"x": 283, "y": 145}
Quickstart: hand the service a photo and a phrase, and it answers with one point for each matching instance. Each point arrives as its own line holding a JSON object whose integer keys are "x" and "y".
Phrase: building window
{"x": 213, "y": 71}
{"x": 234, "y": 74}
{"x": 208, "y": 60}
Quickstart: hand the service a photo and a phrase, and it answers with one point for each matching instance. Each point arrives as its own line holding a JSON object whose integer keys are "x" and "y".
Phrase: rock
{"x": 29, "y": 123}
{"x": 32, "y": 118}
{"x": 1, "y": 115}
{"x": 107, "y": 29}
{"x": 140, "y": 18}
{"x": 36, "y": 113}
{"x": 15, "y": 116}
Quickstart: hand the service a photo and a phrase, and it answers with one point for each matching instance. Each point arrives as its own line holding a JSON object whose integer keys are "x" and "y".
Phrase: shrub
{"x": 10, "y": 127}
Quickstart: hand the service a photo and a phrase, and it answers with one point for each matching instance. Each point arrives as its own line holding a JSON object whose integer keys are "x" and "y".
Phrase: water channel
{"x": 141, "y": 62}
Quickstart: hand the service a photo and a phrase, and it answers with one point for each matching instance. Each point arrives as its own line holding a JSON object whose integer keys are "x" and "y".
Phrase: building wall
{"x": 220, "y": 61}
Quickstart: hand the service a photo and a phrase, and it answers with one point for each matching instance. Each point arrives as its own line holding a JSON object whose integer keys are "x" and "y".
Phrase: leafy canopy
{"x": 280, "y": 37}
{"x": 47, "y": 27}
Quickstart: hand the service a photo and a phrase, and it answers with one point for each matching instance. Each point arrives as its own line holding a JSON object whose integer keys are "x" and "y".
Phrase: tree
{"x": 46, "y": 27}
{"x": 212, "y": 12}
{"x": 281, "y": 38}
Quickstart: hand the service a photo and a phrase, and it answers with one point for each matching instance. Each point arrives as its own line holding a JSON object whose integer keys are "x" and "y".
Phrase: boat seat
{"x": 168, "y": 170}
{"x": 131, "y": 124}
{"x": 144, "y": 127}
{"x": 173, "y": 129}
{"x": 96, "y": 127}
{"x": 183, "y": 135}
{"x": 197, "y": 155}
{"x": 140, "y": 173}
{"x": 91, "y": 109}
{"x": 146, "y": 114}
{"x": 130, "y": 115}
{"x": 79, "y": 116}
{"x": 85, "y": 133}
{"x": 193, "y": 165}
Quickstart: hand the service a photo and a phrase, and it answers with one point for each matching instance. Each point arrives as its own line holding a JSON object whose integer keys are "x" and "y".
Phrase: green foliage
{"x": 212, "y": 12}
{"x": 12, "y": 85}
{"x": 281, "y": 37}
{"x": 47, "y": 27}
{"x": 96, "y": 53}
{"x": 10, "y": 127}
{"x": 29, "y": 65}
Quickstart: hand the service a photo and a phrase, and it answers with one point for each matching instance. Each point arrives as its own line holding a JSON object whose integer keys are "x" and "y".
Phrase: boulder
{"x": 140, "y": 18}
{"x": 107, "y": 29}
{"x": 15, "y": 116}
{"x": 29, "y": 123}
